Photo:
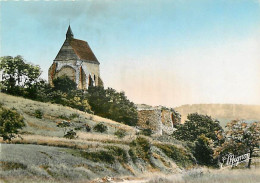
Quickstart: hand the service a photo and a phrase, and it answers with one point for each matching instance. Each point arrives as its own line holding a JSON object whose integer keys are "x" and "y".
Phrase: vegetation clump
{"x": 203, "y": 134}
{"x": 146, "y": 132}
{"x": 38, "y": 113}
{"x": 100, "y": 127}
{"x": 10, "y": 123}
{"x": 179, "y": 155}
{"x": 120, "y": 133}
{"x": 64, "y": 124}
{"x": 140, "y": 148}
{"x": 71, "y": 134}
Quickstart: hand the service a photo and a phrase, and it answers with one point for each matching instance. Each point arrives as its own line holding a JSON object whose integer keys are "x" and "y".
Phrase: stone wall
{"x": 159, "y": 119}
{"x": 150, "y": 119}
{"x": 68, "y": 71}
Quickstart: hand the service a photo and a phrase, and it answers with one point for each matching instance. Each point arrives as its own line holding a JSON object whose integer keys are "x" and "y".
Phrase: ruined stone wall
{"x": 167, "y": 121}
{"x": 159, "y": 119}
{"x": 150, "y": 119}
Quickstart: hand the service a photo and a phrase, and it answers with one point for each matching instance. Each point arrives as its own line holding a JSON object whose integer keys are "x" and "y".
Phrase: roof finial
{"x": 69, "y": 33}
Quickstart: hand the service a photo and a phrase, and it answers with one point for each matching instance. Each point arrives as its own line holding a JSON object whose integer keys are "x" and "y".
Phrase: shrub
{"x": 38, "y": 113}
{"x": 74, "y": 115}
{"x": 64, "y": 125}
{"x": 78, "y": 128}
{"x": 10, "y": 123}
{"x": 140, "y": 148}
{"x": 119, "y": 153}
{"x": 88, "y": 128}
{"x": 120, "y": 133}
{"x": 6, "y": 165}
{"x": 203, "y": 151}
{"x": 179, "y": 155}
{"x": 64, "y": 84}
{"x": 111, "y": 155}
{"x": 146, "y": 132}
{"x": 100, "y": 156}
{"x": 63, "y": 117}
{"x": 100, "y": 127}
{"x": 70, "y": 134}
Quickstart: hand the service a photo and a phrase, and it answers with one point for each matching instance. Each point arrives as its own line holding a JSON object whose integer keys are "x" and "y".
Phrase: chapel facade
{"x": 77, "y": 61}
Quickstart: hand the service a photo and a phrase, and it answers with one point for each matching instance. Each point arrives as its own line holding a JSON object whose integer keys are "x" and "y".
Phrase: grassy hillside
{"x": 42, "y": 154}
{"x": 222, "y": 112}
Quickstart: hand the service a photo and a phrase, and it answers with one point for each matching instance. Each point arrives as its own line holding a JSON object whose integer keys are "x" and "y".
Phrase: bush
{"x": 110, "y": 155}
{"x": 64, "y": 84}
{"x": 78, "y": 128}
{"x": 100, "y": 156}
{"x": 120, "y": 133}
{"x": 74, "y": 115}
{"x": 70, "y": 134}
{"x": 203, "y": 151}
{"x": 146, "y": 132}
{"x": 140, "y": 148}
{"x": 88, "y": 128}
{"x": 38, "y": 114}
{"x": 179, "y": 155}
{"x": 10, "y": 123}
{"x": 100, "y": 127}
{"x": 64, "y": 125}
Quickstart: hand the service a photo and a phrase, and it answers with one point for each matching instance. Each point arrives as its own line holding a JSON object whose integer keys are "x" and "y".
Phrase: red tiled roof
{"x": 82, "y": 50}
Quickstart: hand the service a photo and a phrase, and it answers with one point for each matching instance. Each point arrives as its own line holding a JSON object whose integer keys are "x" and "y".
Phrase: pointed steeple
{"x": 69, "y": 33}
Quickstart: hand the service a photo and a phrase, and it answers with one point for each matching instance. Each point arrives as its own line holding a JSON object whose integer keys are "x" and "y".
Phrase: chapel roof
{"x": 82, "y": 50}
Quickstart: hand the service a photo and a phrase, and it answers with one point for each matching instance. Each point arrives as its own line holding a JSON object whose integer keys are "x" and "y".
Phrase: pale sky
{"x": 159, "y": 52}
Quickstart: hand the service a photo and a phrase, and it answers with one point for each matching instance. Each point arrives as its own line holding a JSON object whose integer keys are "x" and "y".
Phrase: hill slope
{"x": 42, "y": 153}
{"x": 222, "y": 112}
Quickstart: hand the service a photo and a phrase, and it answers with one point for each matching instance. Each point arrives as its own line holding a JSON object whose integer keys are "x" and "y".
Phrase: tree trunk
{"x": 250, "y": 158}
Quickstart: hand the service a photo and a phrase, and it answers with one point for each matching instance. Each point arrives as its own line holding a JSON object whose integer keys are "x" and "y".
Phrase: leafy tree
{"x": 64, "y": 84}
{"x": 17, "y": 74}
{"x": 196, "y": 125}
{"x": 111, "y": 104}
{"x": 240, "y": 138}
{"x": 10, "y": 123}
{"x": 203, "y": 151}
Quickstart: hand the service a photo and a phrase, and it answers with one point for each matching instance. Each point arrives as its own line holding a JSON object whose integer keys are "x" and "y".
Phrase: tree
{"x": 240, "y": 138}
{"x": 203, "y": 151}
{"x": 64, "y": 84}
{"x": 196, "y": 125}
{"x": 10, "y": 123}
{"x": 112, "y": 104}
{"x": 17, "y": 74}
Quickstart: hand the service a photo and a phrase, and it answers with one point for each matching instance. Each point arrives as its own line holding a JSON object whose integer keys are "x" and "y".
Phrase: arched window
{"x": 90, "y": 81}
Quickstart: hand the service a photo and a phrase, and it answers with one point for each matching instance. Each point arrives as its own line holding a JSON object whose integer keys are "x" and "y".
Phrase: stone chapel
{"x": 77, "y": 61}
